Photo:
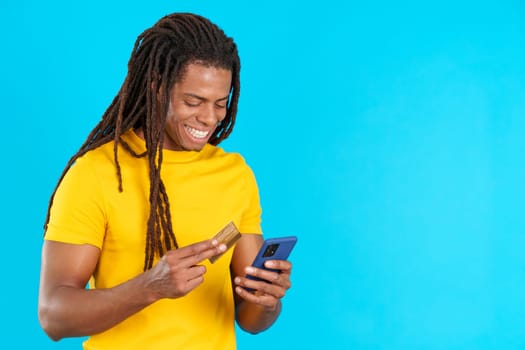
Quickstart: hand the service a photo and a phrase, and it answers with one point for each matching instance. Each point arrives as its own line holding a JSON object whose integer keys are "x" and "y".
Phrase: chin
{"x": 194, "y": 147}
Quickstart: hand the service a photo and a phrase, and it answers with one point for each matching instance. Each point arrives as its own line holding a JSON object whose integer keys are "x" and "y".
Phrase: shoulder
{"x": 93, "y": 166}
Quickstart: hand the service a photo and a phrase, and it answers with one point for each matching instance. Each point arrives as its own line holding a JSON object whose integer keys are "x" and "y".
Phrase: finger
{"x": 283, "y": 265}
{"x": 190, "y": 285}
{"x": 200, "y": 256}
{"x": 281, "y": 279}
{"x": 270, "y": 276}
{"x": 262, "y": 287}
{"x": 185, "y": 280}
{"x": 196, "y": 281}
{"x": 197, "y": 248}
{"x": 194, "y": 272}
{"x": 249, "y": 284}
{"x": 265, "y": 300}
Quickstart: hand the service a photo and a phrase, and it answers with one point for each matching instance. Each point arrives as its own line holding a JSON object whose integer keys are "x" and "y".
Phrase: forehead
{"x": 202, "y": 76}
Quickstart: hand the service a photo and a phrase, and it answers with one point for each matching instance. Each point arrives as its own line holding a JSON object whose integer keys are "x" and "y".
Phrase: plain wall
{"x": 388, "y": 136}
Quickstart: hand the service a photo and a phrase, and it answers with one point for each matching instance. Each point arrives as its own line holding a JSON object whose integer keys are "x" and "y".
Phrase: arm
{"x": 67, "y": 309}
{"x": 258, "y": 310}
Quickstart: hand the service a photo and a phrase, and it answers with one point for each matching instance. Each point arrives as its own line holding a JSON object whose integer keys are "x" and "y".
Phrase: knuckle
{"x": 270, "y": 303}
{"x": 197, "y": 248}
{"x": 194, "y": 249}
{"x": 246, "y": 294}
{"x": 267, "y": 288}
{"x": 174, "y": 269}
{"x": 202, "y": 256}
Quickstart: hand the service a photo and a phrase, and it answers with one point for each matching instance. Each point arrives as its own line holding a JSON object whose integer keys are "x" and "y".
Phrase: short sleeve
{"x": 251, "y": 218}
{"x": 77, "y": 212}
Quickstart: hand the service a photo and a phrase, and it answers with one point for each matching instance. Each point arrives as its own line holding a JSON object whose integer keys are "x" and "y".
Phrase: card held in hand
{"x": 228, "y": 235}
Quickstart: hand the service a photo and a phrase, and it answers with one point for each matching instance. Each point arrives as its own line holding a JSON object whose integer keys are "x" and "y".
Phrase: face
{"x": 198, "y": 103}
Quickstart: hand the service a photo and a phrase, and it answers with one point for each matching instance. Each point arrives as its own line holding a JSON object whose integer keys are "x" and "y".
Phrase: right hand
{"x": 178, "y": 272}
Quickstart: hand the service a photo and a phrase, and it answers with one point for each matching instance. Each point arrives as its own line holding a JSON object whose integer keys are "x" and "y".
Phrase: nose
{"x": 208, "y": 115}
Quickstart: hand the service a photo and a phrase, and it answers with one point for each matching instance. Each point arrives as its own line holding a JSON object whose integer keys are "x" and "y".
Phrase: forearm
{"x": 254, "y": 318}
{"x": 66, "y": 309}
{"x": 72, "y": 312}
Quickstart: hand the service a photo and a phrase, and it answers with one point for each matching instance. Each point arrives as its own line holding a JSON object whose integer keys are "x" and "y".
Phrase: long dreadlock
{"x": 158, "y": 60}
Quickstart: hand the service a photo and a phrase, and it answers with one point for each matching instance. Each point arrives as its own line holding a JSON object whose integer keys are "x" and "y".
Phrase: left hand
{"x": 268, "y": 292}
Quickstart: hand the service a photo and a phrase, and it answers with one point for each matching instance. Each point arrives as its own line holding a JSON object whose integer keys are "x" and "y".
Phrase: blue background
{"x": 389, "y": 136}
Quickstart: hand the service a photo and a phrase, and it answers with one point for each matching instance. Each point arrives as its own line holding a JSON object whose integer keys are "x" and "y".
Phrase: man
{"x": 136, "y": 206}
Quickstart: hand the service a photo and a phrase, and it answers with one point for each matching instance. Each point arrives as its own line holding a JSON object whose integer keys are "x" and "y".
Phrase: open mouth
{"x": 195, "y": 133}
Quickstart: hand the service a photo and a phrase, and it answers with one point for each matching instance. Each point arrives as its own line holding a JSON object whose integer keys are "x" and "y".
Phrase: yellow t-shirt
{"x": 206, "y": 190}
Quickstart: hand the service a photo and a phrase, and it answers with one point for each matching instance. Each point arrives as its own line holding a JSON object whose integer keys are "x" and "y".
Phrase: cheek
{"x": 173, "y": 126}
{"x": 173, "y": 117}
{"x": 221, "y": 115}
{"x": 173, "y": 123}
{"x": 178, "y": 114}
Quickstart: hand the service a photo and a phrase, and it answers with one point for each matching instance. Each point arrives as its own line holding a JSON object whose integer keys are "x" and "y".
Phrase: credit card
{"x": 228, "y": 235}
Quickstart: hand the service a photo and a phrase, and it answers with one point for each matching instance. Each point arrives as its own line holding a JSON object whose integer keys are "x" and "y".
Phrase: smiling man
{"x": 134, "y": 210}
{"x": 197, "y": 106}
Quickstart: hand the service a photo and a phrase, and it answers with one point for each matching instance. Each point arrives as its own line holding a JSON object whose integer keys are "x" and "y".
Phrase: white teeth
{"x": 197, "y": 133}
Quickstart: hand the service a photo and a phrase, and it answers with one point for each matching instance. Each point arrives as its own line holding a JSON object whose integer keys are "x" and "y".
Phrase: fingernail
{"x": 237, "y": 280}
{"x": 250, "y": 270}
{"x": 214, "y": 242}
{"x": 223, "y": 247}
{"x": 270, "y": 263}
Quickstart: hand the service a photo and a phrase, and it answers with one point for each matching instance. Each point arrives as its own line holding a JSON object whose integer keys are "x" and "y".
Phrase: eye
{"x": 192, "y": 103}
{"x": 220, "y": 106}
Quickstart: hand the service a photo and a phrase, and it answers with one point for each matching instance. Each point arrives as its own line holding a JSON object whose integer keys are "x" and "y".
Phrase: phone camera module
{"x": 270, "y": 251}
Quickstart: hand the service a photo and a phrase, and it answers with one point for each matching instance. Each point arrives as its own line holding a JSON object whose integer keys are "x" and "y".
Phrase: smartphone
{"x": 272, "y": 249}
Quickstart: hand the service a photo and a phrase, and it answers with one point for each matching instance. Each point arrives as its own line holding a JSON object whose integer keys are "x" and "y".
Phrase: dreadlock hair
{"x": 158, "y": 60}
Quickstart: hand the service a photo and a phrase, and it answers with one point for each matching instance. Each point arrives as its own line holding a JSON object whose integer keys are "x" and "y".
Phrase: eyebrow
{"x": 189, "y": 94}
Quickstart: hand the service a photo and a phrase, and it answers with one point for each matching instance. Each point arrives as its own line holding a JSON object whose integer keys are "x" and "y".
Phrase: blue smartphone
{"x": 273, "y": 249}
